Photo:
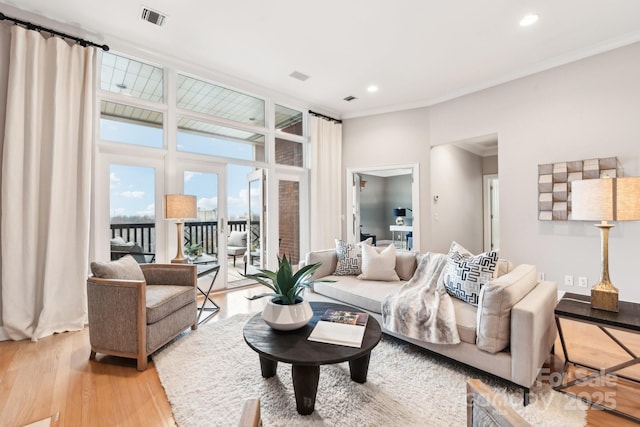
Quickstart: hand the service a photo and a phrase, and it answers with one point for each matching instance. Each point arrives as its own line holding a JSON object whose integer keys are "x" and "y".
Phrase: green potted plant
{"x": 193, "y": 251}
{"x": 286, "y": 310}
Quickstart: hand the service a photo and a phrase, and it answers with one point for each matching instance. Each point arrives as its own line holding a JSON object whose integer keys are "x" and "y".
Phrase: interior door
{"x": 256, "y": 241}
{"x": 207, "y": 181}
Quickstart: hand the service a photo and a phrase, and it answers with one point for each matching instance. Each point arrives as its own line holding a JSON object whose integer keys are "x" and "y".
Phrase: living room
{"x": 577, "y": 106}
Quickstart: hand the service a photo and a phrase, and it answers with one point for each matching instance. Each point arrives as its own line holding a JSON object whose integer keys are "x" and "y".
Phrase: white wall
{"x": 587, "y": 109}
{"x": 456, "y": 178}
{"x": 389, "y": 140}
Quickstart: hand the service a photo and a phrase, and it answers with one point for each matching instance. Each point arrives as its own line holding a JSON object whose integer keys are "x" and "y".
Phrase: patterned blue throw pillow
{"x": 350, "y": 257}
{"x": 465, "y": 274}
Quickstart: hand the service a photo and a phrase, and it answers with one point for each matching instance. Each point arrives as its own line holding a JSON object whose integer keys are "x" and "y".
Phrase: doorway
{"x": 377, "y": 197}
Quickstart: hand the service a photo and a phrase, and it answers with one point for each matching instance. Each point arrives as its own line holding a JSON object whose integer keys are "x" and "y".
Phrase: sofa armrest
{"x": 170, "y": 274}
{"x": 117, "y": 314}
{"x": 533, "y": 332}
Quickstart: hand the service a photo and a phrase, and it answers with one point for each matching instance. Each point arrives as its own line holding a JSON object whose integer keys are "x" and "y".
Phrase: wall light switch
{"x": 568, "y": 280}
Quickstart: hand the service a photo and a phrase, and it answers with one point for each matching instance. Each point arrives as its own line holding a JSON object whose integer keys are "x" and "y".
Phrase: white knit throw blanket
{"x": 422, "y": 309}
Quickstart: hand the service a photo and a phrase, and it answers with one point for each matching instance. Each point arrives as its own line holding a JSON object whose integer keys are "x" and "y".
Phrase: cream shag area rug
{"x": 209, "y": 372}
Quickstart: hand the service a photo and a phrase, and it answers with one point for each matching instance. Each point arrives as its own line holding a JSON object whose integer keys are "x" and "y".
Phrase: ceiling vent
{"x": 350, "y": 98}
{"x": 152, "y": 16}
{"x": 299, "y": 76}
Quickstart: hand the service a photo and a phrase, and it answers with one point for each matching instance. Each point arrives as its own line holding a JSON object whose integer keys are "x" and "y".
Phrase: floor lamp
{"x": 605, "y": 199}
{"x": 179, "y": 207}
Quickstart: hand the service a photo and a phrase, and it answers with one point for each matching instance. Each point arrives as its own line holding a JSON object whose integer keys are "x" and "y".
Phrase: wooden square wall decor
{"x": 554, "y": 184}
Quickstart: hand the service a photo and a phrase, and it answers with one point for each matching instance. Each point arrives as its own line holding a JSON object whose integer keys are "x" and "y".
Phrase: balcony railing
{"x": 204, "y": 232}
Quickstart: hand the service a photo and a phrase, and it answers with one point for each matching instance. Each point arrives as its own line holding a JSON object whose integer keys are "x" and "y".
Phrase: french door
{"x": 206, "y": 181}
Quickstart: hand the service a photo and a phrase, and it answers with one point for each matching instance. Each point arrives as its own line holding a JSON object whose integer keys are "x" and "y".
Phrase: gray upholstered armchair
{"x": 134, "y": 309}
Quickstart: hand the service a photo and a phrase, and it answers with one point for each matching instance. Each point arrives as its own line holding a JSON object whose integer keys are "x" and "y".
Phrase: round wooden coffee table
{"x": 306, "y": 356}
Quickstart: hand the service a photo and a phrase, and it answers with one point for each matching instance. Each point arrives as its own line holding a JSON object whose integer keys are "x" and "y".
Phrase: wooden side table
{"x": 575, "y": 307}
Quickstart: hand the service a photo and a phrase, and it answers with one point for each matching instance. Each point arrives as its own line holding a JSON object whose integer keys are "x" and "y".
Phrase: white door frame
{"x": 220, "y": 169}
{"x": 352, "y": 237}
{"x": 100, "y": 215}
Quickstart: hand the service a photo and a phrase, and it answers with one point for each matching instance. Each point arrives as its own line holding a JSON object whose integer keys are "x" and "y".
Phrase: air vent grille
{"x": 153, "y": 16}
{"x": 350, "y": 98}
{"x": 299, "y": 76}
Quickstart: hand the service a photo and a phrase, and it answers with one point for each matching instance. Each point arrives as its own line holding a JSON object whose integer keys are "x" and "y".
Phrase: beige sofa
{"x": 517, "y": 302}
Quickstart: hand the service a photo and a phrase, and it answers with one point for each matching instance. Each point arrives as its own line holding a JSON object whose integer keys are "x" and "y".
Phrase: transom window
{"x": 207, "y": 98}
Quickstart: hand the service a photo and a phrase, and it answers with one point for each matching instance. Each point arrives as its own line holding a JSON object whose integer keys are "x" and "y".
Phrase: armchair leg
{"x": 194, "y": 326}
{"x": 142, "y": 363}
{"x": 92, "y": 355}
{"x": 234, "y": 260}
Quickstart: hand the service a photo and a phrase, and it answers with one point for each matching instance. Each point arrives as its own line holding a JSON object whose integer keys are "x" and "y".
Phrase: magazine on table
{"x": 340, "y": 327}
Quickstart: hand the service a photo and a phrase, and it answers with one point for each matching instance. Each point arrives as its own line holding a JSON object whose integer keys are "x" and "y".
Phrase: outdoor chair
{"x": 237, "y": 244}
{"x": 120, "y": 248}
{"x": 134, "y": 309}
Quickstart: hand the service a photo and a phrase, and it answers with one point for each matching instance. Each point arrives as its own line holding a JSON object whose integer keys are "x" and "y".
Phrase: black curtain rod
{"x": 31, "y": 26}
{"x": 313, "y": 113}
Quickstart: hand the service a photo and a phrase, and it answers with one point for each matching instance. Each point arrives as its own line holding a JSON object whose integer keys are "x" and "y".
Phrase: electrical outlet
{"x": 582, "y": 282}
{"x": 568, "y": 280}
{"x": 540, "y": 276}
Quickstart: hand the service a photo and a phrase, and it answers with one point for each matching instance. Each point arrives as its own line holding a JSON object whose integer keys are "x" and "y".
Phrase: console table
{"x": 575, "y": 307}
{"x": 403, "y": 230}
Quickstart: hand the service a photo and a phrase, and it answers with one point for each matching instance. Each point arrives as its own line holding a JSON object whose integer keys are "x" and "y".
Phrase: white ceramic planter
{"x": 287, "y": 317}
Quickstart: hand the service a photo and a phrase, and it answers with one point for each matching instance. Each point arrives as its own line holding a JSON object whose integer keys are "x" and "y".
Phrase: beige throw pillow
{"x": 126, "y": 268}
{"x": 494, "y": 307}
{"x": 379, "y": 266}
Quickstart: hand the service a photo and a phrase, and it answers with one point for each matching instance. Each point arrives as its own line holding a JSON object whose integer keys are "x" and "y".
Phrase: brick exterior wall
{"x": 289, "y": 197}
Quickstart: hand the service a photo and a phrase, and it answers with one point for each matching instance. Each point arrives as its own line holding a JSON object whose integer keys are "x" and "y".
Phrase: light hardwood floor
{"x": 54, "y": 375}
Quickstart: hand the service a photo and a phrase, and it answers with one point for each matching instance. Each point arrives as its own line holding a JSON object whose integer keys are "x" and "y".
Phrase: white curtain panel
{"x": 326, "y": 182}
{"x": 46, "y": 186}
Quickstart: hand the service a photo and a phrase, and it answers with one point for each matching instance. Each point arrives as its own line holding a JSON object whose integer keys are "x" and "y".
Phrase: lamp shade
{"x": 399, "y": 212}
{"x": 180, "y": 206}
{"x": 606, "y": 199}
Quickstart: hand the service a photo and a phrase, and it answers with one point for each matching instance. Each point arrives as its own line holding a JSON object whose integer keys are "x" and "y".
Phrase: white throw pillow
{"x": 350, "y": 257}
{"x": 466, "y": 274}
{"x": 379, "y": 266}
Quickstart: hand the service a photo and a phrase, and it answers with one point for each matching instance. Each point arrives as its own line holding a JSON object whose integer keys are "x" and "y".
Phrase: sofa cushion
{"x": 466, "y": 319}
{"x": 406, "y": 264}
{"x": 379, "y": 265}
{"x": 125, "y": 268}
{"x": 328, "y": 260}
{"x": 504, "y": 266}
{"x": 496, "y": 300}
{"x": 366, "y": 294}
{"x": 349, "y": 257}
{"x": 162, "y": 300}
{"x": 465, "y": 274}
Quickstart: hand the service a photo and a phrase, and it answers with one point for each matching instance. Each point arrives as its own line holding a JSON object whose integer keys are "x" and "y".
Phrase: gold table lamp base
{"x": 604, "y": 296}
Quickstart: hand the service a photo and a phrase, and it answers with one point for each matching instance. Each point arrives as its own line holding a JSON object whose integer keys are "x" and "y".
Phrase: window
{"x": 207, "y": 98}
{"x": 132, "y": 205}
{"x": 196, "y": 136}
{"x": 288, "y": 120}
{"x": 288, "y": 153}
{"x": 130, "y": 77}
{"x": 130, "y": 125}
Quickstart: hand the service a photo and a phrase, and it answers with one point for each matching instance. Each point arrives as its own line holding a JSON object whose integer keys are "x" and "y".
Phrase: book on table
{"x": 340, "y": 327}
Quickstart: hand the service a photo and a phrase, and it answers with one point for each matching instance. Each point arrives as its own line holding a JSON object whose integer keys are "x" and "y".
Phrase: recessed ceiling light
{"x": 372, "y": 89}
{"x": 529, "y": 19}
